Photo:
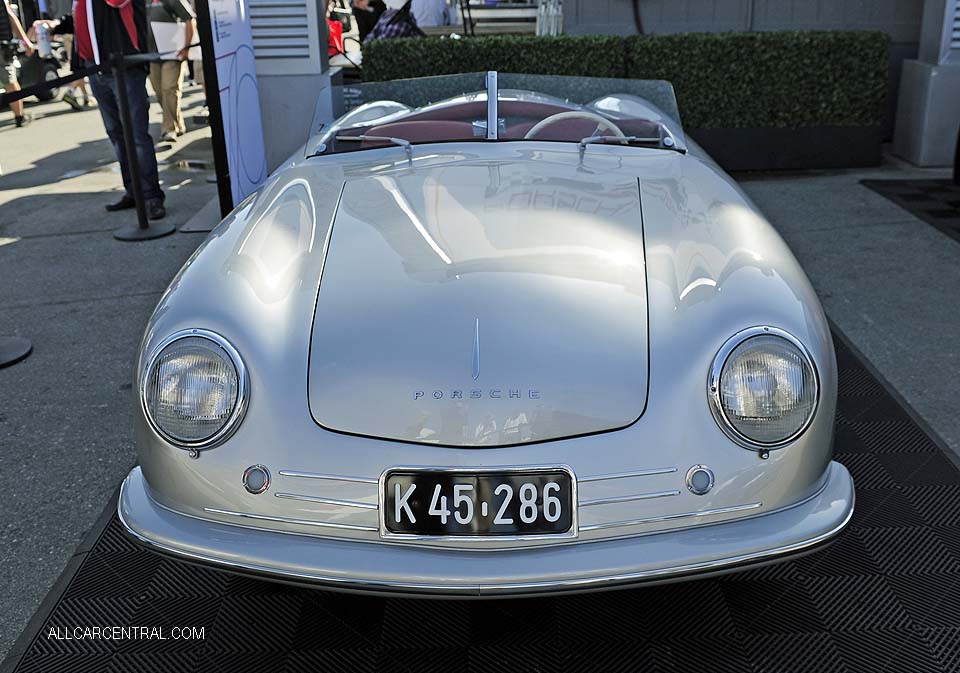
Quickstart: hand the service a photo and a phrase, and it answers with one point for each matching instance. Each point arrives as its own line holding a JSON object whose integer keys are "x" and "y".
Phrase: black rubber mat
{"x": 936, "y": 202}
{"x": 884, "y": 597}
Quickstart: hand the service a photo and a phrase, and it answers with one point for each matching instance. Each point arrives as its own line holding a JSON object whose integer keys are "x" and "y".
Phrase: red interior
{"x": 456, "y": 122}
{"x": 423, "y": 131}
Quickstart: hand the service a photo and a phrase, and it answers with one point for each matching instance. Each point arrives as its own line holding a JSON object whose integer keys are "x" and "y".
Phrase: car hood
{"x": 482, "y": 305}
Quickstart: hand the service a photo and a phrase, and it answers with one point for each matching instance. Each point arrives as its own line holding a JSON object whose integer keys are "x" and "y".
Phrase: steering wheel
{"x": 575, "y": 114}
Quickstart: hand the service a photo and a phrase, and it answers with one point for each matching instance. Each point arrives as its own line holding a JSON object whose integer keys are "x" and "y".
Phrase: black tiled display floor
{"x": 936, "y": 202}
{"x": 884, "y": 597}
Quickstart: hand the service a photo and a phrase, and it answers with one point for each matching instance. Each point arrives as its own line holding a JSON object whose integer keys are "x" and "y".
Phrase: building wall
{"x": 289, "y": 39}
{"x": 901, "y": 19}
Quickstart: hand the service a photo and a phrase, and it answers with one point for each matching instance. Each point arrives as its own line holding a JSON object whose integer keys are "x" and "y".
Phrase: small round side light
{"x": 256, "y": 479}
{"x": 700, "y": 479}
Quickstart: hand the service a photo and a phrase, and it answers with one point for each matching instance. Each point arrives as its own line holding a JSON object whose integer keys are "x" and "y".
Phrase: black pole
{"x": 956, "y": 161}
{"x": 143, "y": 231}
{"x": 211, "y": 85}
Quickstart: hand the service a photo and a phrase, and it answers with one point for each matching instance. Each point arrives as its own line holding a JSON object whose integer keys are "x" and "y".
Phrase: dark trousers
{"x": 104, "y": 88}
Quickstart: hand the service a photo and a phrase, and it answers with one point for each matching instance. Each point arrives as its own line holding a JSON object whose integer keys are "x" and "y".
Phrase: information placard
{"x": 230, "y": 70}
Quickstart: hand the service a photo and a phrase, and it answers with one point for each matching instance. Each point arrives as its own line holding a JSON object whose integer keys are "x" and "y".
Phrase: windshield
{"x": 520, "y": 115}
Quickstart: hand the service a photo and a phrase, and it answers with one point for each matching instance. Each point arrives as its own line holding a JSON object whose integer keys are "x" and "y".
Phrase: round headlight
{"x": 764, "y": 388}
{"x": 194, "y": 389}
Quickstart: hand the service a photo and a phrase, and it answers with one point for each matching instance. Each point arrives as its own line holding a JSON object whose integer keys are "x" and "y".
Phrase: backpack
{"x": 396, "y": 23}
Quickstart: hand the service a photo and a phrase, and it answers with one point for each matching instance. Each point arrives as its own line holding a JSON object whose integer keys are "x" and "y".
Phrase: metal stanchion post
{"x": 13, "y": 349}
{"x": 143, "y": 231}
{"x": 956, "y": 161}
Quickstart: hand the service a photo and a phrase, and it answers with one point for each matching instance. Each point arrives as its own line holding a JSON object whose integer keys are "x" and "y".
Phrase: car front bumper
{"x": 406, "y": 568}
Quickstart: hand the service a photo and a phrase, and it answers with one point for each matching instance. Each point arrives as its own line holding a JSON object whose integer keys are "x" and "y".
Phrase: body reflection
{"x": 550, "y": 262}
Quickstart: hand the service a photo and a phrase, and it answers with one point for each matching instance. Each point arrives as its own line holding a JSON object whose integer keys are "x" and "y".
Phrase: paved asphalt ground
{"x": 83, "y": 298}
{"x": 888, "y": 280}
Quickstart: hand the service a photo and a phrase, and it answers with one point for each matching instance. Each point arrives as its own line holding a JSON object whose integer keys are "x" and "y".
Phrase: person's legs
{"x": 174, "y": 81}
{"x": 136, "y": 79}
{"x": 78, "y": 85}
{"x": 16, "y": 106}
{"x": 156, "y": 82}
{"x": 8, "y": 80}
{"x": 103, "y": 88}
{"x": 169, "y": 95}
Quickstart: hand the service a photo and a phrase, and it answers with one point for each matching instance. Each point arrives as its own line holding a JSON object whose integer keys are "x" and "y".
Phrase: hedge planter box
{"x": 760, "y": 149}
{"x": 756, "y": 100}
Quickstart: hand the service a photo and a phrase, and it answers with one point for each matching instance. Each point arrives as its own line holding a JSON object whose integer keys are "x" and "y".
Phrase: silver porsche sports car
{"x": 499, "y": 344}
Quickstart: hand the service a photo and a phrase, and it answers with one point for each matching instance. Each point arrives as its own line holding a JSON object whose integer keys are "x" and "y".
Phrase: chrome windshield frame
{"x": 493, "y": 94}
{"x": 667, "y": 139}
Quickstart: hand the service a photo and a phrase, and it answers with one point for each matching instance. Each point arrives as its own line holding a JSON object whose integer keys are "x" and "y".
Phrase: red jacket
{"x": 103, "y": 27}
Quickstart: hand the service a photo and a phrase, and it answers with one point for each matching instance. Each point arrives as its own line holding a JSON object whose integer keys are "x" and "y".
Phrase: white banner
{"x": 239, "y": 96}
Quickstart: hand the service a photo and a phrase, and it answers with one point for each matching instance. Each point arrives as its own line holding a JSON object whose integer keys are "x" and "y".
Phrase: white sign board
{"x": 239, "y": 96}
{"x": 170, "y": 38}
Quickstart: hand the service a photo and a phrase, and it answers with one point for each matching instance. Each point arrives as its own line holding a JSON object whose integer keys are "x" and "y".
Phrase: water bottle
{"x": 44, "y": 48}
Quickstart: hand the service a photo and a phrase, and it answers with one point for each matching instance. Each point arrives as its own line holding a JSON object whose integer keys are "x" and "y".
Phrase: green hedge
{"x": 588, "y": 56}
{"x": 722, "y": 80}
{"x": 784, "y": 78}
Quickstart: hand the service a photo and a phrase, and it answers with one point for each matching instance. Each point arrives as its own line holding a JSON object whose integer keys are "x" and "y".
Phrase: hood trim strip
{"x": 628, "y": 475}
{"x": 331, "y": 477}
{"x": 286, "y": 519}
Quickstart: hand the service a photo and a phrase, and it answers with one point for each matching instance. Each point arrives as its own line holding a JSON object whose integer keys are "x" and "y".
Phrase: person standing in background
{"x": 8, "y": 72}
{"x": 102, "y": 28}
{"x": 82, "y": 98}
{"x": 203, "y": 115}
{"x": 367, "y": 13}
{"x": 166, "y": 76}
{"x": 431, "y": 13}
{"x": 77, "y": 97}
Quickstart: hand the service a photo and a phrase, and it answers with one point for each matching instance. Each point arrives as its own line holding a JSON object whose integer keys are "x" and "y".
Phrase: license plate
{"x": 478, "y": 503}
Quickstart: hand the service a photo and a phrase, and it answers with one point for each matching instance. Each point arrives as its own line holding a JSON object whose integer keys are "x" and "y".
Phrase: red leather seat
{"x": 423, "y": 131}
{"x": 569, "y": 130}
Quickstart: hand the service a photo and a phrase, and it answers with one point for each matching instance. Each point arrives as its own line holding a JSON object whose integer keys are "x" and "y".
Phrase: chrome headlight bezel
{"x": 714, "y": 392}
{"x": 243, "y": 389}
